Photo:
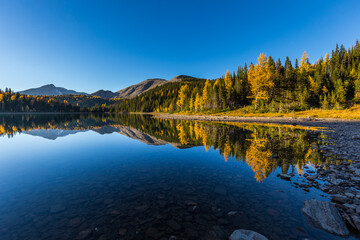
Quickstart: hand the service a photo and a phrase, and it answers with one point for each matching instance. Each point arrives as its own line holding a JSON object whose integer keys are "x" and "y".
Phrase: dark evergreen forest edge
{"x": 268, "y": 86}
{"x": 16, "y": 102}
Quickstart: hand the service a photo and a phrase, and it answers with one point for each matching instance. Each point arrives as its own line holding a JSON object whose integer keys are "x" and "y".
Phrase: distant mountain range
{"x": 128, "y": 92}
{"x": 50, "y": 90}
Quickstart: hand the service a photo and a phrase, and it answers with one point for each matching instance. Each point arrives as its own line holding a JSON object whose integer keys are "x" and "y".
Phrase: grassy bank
{"x": 351, "y": 113}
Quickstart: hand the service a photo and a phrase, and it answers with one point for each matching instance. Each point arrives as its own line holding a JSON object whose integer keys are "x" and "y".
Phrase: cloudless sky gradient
{"x": 89, "y": 45}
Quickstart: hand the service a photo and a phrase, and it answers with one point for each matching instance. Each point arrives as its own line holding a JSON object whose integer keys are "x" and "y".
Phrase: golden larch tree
{"x": 198, "y": 102}
{"x": 182, "y": 96}
{"x": 304, "y": 63}
{"x": 205, "y": 95}
{"x": 192, "y": 104}
{"x": 326, "y": 61}
{"x": 228, "y": 82}
{"x": 260, "y": 79}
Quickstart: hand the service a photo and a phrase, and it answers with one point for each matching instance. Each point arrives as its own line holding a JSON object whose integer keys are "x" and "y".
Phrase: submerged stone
{"x": 285, "y": 176}
{"x": 243, "y": 234}
{"x": 339, "y": 198}
{"x": 311, "y": 177}
{"x": 325, "y": 215}
{"x": 84, "y": 234}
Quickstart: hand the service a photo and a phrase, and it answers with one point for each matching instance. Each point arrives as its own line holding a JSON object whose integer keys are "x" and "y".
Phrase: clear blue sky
{"x": 89, "y": 45}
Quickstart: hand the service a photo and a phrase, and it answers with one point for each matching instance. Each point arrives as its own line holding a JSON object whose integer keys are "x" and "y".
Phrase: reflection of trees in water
{"x": 255, "y": 144}
{"x": 10, "y": 124}
{"x": 264, "y": 148}
{"x": 259, "y": 158}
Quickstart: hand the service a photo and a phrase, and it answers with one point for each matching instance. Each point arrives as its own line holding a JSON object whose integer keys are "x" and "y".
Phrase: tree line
{"x": 332, "y": 82}
{"x": 15, "y": 102}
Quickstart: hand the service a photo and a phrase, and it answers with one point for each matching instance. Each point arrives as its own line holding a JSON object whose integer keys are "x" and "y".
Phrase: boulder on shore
{"x": 325, "y": 215}
{"x": 243, "y": 234}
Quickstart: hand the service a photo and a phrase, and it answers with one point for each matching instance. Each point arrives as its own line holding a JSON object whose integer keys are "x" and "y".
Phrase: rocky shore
{"x": 340, "y": 178}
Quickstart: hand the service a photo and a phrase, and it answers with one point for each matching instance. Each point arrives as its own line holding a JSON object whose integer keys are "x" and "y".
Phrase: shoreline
{"x": 225, "y": 118}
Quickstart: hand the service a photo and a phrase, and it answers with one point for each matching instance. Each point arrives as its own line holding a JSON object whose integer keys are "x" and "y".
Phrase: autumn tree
{"x": 228, "y": 82}
{"x": 260, "y": 78}
{"x": 357, "y": 90}
{"x": 205, "y": 93}
{"x": 198, "y": 102}
{"x": 182, "y": 96}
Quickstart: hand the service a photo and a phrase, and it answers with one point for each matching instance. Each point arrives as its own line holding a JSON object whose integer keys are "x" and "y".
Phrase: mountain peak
{"x": 180, "y": 78}
{"x": 50, "y": 90}
{"x": 137, "y": 89}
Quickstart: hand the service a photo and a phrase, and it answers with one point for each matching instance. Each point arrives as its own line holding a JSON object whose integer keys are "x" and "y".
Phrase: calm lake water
{"x": 135, "y": 177}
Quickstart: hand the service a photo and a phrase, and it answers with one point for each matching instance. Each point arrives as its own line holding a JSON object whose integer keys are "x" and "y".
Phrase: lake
{"x": 73, "y": 176}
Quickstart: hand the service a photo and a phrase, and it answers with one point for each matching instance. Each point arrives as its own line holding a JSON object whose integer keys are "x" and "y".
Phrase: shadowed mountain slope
{"x": 105, "y": 94}
{"x": 137, "y": 89}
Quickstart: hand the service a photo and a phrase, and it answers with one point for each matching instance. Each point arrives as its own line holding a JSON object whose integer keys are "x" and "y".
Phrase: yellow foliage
{"x": 182, "y": 95}
{"x": 182, "y": 134}
{"x": 259, "y": 158}
{"x": 192, "y": 104}
{"x": 314, "y": 87}
{"x": 198, "y": 103}
{"x": 325, "y": 90}
{"x": 304, "y": 63}
{"x": 2, "y": 129}
{"x": 205, "y": 95}
{"x": 260, "y": 78}
{"x": 227, "y": 151}
{"x": 228, "y": 82}
{"x": 326, "y": 61}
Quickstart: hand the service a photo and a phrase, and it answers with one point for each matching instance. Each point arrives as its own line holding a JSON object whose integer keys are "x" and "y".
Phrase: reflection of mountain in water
{"x": 51, "y": 134}
{"x": 105, "y": 130}
{"x": 140, "y": 136}
{"x": 129, "y": 132}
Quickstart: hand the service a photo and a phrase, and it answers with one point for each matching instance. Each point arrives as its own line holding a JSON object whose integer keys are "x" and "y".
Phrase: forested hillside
{"x": 331, "y": 82}
{"x": 159, "y": 99}
{"x": 88, "y": 101}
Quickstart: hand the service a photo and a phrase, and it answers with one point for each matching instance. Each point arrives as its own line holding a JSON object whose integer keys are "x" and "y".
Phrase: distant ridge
{"x": 137, "y": 89}
{"x": 105, "y": 94}
{"x": 128, "y": 92}
{"x": 50, "y": 90}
